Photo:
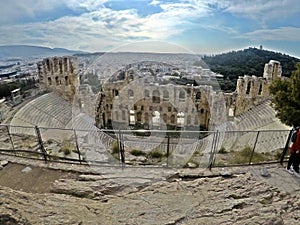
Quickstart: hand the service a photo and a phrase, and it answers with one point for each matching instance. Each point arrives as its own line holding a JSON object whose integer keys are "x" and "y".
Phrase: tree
{"x": 286, "y": 98}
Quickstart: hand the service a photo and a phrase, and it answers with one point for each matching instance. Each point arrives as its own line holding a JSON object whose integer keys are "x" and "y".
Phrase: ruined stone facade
{"x": 140, "y": 97}
{"x": 130, "y": 99}
{"x": 59, "y": 74}
{"x": 252, "y": 90}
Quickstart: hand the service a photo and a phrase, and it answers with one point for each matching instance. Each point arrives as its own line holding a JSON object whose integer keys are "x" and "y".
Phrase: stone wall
{"x": 253, "y": 90}
{"x": 134, "y": 101}
{"x": 59, "y": 74}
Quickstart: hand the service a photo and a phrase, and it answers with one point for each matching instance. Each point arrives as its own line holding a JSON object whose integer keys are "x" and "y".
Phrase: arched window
{"x": 123, "y": 115}
{"x": 260, "y": 89}
{"x": 180, "y": 119}
{"x": 156, "y": 118}
{"x": 131, "y": 117}
{"x": 146, "y": 93}
{"x": 156, "y": 96}
{"x": 139, "y": 117}
{"x": 130, "y": 93}
{"x": 49, "y": 81}
{"x": 165, "y": 95}
{"x": 57, "y": 80}
{"x": 66, "y": 80}
{"x": 116, "y": 115}
{"x": 198, "y": 95}
{"x": 181, "y": 95}
{"x": 248, "y": 88}
{"x": 189, "y": 120}
{"x": 173, "y": 119}
{"x": 165, "y": 118}
{"x": 196, "y": 120}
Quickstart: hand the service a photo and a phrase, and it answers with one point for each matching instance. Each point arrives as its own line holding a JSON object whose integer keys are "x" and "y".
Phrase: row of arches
{"x": 155, "y": 118}
{"x": 156, "y": 95}
{"x": 58, "y": 81}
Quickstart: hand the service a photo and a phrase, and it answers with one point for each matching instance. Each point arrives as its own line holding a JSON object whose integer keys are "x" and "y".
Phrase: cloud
{"x": 279, "y": 34}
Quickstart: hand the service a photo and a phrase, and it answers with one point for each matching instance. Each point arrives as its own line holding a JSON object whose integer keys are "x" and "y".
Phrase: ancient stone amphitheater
{"x": 56, "y": 118}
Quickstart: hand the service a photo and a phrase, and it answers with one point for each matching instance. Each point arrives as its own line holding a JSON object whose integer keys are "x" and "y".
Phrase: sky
{"x": 199, "y": 26}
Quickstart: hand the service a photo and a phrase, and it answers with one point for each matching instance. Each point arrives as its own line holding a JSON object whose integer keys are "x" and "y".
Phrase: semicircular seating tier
{"x": 48, "y": 110}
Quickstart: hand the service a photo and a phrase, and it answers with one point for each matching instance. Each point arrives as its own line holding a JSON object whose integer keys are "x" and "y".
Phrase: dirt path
{"x": 29, "y": 178}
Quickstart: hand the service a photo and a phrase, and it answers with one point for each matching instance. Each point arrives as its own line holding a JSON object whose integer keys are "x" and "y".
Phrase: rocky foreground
{"x": 152, "y": 197}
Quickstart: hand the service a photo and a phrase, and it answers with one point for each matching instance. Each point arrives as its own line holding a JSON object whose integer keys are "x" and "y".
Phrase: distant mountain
{"x": 249, "y": 61}
{"x": 13, "y": 51}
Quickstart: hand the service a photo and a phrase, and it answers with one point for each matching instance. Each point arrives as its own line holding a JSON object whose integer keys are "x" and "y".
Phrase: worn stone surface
{"x": 148, "y": 196}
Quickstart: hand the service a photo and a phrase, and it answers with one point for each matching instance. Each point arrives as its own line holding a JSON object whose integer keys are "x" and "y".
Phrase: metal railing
{"x": 146, "y": 147}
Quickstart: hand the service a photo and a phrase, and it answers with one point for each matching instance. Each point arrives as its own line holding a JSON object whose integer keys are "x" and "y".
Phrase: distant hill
{"x": 249, "y": 61}
{"x": 13, "y": 51}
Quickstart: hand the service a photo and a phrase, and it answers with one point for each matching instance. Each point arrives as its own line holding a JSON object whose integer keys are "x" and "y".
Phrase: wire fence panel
{"x": 146, "y": 147}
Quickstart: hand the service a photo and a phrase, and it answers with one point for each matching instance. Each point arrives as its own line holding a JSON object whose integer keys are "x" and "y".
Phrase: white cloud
{"x": 279, "y": 34}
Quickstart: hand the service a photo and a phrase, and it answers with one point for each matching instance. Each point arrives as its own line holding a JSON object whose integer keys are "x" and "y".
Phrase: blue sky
{"x": 200, "y": 26}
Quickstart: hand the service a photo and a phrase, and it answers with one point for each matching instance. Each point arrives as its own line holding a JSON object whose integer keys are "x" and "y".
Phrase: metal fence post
{"x": 38, "y": 133}
{"x": 213, "y": 149}
{"x": 168, "y": 149}
{"x": 10, "y": 138}
{"x": 77, "y": 147}
{"x": 252, "y": 153}
{"x": 121, "y": 149}
{"x": 287, "y": 144}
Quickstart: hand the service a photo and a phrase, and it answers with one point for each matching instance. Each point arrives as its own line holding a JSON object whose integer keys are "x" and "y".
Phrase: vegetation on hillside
{"x": 249, "y": 61}
{"x": 287, "y": 98}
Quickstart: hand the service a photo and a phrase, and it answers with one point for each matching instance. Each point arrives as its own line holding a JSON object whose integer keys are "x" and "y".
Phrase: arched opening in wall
{"x": 146, "y": 120}
{"x": 123, "y": 115}
{"x": 103, "y": 120}
{"x": 130, "y": 93}
{"x": 202, "y": 111}
{"x": 155, "y": 96}
{"x": 115, "y": 93}
{"x": 146, "y": 93}
{"x": 139, "y": 117}
{"x": 196, "y": 123}
{"x": 172, "y": 119}
{"x": 156, "y": 119}
{"x": 57, "y": 81}
{"x": 49, "y": 81}
{"x": 71, "y": 68}
{"x": 165, "y": 118}
{"x": 189, "y": 120}
{"x": 198, "y": 95}
{"x": 131, "y": 117}
{"x": 180, "y": 119}
{"x": 116, "y": 116}
{"x": 248, "y": 88}
{"x": 60, "y": 66}
{"x": 66, "y": 64}
{"x": 181, "y": 95}
{"x": 66, "y": 80}
{"x": 260, "y": 89}
{"x": 166, "y": 95}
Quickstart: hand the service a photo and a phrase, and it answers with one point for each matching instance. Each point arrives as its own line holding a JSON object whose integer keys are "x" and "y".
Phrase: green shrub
{"x": 137, "y": 152}
{"x": 222, "y": 150}
{"x": 155, "y": 153}
{"x": 115, "y": 147}
{"x": 243, "y": 156}
{"x": 67, "y": 147}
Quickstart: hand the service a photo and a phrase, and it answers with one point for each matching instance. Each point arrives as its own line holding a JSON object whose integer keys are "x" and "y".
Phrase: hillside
{"x": 12, "y": 51}
{"x": 249, "y": 61}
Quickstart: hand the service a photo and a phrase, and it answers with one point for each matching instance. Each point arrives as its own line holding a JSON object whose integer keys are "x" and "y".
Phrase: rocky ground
{"x": 32, "y": 192}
